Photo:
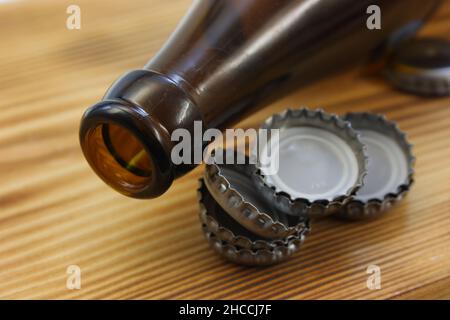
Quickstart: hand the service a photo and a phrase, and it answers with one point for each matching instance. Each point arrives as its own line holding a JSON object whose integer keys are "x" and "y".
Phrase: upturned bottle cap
{"x": 421, "y": 66}
{"x": 390, "y": 169}
{"x": 322, "y": 162}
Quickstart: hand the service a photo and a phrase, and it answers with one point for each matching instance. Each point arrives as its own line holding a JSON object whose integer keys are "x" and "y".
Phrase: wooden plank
{"x": 54, "y": 212}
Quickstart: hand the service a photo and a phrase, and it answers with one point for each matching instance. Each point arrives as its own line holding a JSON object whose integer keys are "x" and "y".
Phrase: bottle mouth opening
{"x": 119, "y": 158}
{"x": 125, "y": 149}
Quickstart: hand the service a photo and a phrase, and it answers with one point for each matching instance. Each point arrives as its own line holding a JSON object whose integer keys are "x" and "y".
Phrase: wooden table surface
{"x": 54, "y": 211}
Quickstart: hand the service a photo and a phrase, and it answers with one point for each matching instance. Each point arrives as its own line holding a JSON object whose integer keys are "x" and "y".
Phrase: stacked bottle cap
{"x": 237, "y": 244}
{"x": 232, "y": 187}
{"x": 254, "y": 216}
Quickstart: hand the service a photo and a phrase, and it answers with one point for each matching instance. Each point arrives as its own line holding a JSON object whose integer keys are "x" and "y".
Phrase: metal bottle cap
{"x": 232, "y": 186}
{"x": 421, "y": 66}
{"x": 322, "y": 163}
{"x": 235, "y": 243}
{"x": 390, "y": 169}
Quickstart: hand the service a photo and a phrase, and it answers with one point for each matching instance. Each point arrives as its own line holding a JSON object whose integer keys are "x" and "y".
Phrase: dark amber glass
{"x": 226, "y": 58}
{"x": 119, "y": 158}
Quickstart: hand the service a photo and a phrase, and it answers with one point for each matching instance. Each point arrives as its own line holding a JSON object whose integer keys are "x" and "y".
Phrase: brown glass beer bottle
{"x": 225, "y": 58}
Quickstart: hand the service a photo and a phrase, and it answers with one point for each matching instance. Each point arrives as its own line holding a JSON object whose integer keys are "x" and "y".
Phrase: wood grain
{"x": 54, "y": 212}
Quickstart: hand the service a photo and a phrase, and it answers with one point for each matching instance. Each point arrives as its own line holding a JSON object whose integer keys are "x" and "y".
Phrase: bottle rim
{"x": 129, "y": 180}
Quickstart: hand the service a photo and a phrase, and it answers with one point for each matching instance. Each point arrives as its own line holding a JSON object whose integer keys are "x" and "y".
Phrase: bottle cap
{"x": 235, "y": 243}
{"x": 232, "y": 186}
{"x": 390, "y": 169}
{"x": 322, "y": 162}
{"x": 421, "y": 66}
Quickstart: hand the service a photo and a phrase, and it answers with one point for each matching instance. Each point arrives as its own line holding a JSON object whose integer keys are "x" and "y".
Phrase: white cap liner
{"x": 314, "y": 163}
{"x": 388, "y": 166}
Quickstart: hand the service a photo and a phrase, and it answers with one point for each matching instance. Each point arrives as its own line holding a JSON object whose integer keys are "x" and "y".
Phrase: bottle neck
{"x": 235, "y": 56}
{"x": 126, "y": 138}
